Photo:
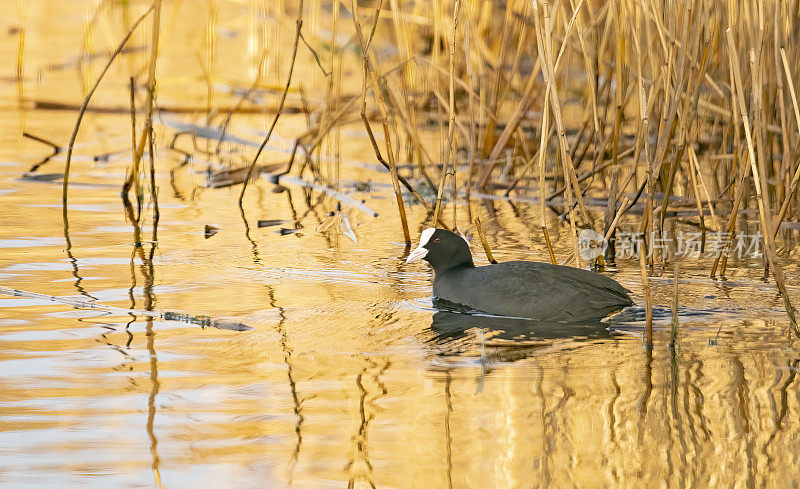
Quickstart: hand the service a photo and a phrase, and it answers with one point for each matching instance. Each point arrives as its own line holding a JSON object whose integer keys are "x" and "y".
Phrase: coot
{"x": 516, "y": 288}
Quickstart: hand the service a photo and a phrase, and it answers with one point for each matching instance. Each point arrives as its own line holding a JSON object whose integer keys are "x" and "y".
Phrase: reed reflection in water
{"x": 343, "y": 380}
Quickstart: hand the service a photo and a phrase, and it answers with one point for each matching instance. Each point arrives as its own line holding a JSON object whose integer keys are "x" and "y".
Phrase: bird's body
{"x": 517, "y": 288}
{"x": 532, "y": 290}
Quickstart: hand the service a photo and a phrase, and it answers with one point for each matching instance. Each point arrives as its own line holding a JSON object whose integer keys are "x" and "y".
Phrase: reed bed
{"x": 602, "y": 112}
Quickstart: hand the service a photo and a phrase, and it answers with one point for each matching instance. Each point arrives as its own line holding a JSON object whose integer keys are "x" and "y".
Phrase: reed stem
{"x": 88, "y": 97}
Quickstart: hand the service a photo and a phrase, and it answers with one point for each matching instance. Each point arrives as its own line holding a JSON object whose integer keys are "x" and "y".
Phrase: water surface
{"x": 348, "y": 376}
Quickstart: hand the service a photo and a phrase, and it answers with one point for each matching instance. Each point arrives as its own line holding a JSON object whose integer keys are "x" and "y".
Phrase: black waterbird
{"x": 517, "y": 288}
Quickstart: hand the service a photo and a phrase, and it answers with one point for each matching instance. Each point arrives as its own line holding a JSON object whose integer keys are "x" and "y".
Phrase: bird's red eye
{"x": 436, "y": 240}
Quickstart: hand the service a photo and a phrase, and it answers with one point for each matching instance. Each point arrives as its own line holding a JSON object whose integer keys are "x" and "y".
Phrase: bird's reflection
{"x": 454, "y": 322}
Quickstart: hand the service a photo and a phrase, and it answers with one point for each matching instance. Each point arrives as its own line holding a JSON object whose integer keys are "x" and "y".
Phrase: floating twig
{"x": 203, "y": 321}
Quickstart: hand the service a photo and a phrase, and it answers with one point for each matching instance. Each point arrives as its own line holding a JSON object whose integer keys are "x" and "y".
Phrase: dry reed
{"x": 647, "y": 102}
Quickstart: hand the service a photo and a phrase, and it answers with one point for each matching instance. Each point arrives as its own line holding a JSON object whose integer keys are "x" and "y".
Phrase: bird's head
{"x": 442, "y": 249}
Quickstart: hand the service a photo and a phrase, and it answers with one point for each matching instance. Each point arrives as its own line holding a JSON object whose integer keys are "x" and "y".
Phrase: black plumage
{"x": 517, "y": 288}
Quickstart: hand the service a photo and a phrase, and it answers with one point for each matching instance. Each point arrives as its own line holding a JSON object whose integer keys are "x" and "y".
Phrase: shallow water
{"x": 348, "y": 375}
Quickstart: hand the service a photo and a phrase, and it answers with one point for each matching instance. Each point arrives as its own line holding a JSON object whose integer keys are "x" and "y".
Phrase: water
{"x": 348, "y": 376}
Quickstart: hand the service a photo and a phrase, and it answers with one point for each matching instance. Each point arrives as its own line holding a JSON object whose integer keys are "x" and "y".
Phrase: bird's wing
{"x": 543, "y": 290}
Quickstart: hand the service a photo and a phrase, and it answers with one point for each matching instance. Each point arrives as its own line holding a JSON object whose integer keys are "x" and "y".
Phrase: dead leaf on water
{"x": 42, "y": 177}
{"x": 264, "y": 223}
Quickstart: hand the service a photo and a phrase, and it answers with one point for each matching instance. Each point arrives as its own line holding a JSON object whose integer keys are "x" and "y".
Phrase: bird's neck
{"x": 448, "y": 267}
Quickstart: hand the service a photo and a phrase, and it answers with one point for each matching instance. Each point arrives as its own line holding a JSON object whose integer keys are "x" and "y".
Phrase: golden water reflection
{"x": 258, "y": 405}
{"x": 347, "y": 377}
